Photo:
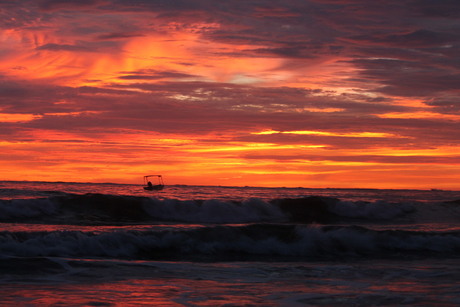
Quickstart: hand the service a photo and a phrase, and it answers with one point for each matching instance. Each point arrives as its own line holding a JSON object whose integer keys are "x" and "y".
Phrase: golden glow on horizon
{"x": 131, "y": 154}
{"x": 100, "y": 162}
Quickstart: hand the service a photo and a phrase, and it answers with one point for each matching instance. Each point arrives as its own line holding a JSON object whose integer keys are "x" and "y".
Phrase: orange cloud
{"x": 420, "y": 114}
{"x": 325, "y": 133}
{"x": 13, "y": 118}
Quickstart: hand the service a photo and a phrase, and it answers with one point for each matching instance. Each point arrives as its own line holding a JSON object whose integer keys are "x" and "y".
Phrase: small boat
{"x": 153, "y": 187}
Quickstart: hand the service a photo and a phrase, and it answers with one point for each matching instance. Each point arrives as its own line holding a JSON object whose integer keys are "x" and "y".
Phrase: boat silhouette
{"x": 153, "y": 187}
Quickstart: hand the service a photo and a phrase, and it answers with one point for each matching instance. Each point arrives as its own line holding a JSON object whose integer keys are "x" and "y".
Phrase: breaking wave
{"x": 256, "y": 241}
{"x": 106, "y": 209}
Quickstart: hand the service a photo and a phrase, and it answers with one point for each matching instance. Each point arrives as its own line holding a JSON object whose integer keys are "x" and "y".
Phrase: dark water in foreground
{"x": 72, "y": 244}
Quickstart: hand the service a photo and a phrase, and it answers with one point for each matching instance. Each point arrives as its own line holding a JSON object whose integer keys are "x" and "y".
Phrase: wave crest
{"x": 106, "y": 209}
{"x": 261, "y": 241}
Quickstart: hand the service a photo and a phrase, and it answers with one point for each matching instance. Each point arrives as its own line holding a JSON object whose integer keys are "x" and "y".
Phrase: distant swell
{"x": 259, "y": 241}
{"x": 112, "y": 209}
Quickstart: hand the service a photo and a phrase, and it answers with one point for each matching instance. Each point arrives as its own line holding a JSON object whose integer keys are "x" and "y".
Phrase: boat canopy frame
{"x": 153, "y": 187}
{"x": 160, "y": 179}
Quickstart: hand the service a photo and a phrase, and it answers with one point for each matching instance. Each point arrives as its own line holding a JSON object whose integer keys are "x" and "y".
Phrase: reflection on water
{"x": 239, "y": 284}
{"x": 22, "y": 227}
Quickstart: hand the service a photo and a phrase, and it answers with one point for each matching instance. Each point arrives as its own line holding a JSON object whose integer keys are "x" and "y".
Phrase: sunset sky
{"x": 311, "y": 93}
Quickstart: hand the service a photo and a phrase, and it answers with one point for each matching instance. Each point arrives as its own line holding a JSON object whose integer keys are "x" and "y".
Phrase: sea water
{"x": 86, "y": 244}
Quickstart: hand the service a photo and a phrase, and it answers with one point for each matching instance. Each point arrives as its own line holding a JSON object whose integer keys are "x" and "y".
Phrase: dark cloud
{"x": 409, "y": 78}
{"x": 118, "y": 35}
{"x": 298, "y": 51}
{"x": 59, "y": 47}
{"x": 421, "y": 38}
{"x": 17, "y": 15}
{"x": 150, "y": 74}
{"x": 83, "y": 46}
{"x": 437, "y": 9}
{"x": 449, "y": 104}
{"x": 50, "y": 5}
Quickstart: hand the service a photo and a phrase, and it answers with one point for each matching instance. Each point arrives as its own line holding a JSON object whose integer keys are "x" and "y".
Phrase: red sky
{"x": 312, "y": 93}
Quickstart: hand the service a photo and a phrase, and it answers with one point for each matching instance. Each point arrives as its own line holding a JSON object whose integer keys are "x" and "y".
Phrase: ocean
{"x": 88, "y": 244}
